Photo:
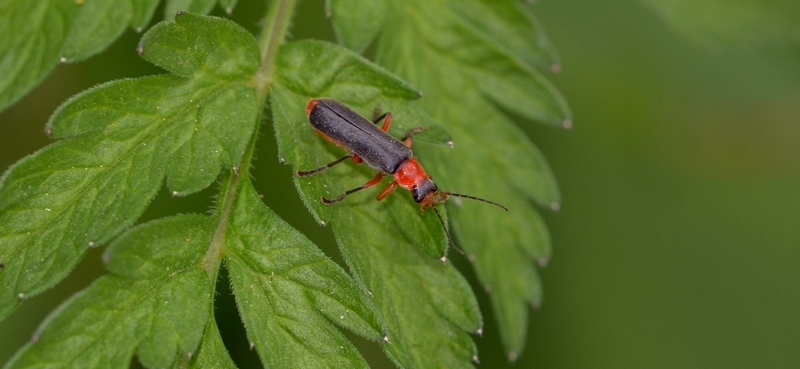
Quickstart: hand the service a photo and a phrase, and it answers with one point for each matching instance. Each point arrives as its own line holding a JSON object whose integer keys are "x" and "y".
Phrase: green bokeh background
{"x": 678, "y": 240}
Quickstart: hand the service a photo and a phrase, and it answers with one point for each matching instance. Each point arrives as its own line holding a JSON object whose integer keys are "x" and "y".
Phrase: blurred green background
{"x": 678, "y": 240}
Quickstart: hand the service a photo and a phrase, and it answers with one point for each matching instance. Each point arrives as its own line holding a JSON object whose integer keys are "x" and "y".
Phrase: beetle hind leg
{"x": 305, "y": 173}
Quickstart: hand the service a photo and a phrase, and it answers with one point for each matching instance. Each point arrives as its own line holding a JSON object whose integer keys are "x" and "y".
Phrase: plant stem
{"x": 278, "y": 20}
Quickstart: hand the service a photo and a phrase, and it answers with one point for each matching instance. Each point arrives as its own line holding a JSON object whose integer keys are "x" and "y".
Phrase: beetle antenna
{"x": 477, "y": 198}
{"x": 449, "y": 239}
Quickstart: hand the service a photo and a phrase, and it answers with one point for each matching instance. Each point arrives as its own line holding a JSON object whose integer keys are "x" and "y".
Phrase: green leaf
{"x": 428, "y": 306}
{"x": 511, "y": 26}
{"x": 488, "y": 64}
{"x": 125, "y": 137}
{"x": 97, "y": 24}
{"x": 142, "y": 13}
{"x": 192, "y": 6}
{"x": 286, "y": 288}
{"x": 40, "y": 33}
{"x": 314, "y": 67}
{"x": 200, "y": 45}
{"x": 381, "y": 241}
{"x": 356, "y": 22}
{"x": 749, "y": 22}
{"x": 156, "y": 302}
{"x": 481, "y": 69}
{"x": 228, "y": 5}
{"x": 212, "y": 352}
{"x": 33, "y": 32}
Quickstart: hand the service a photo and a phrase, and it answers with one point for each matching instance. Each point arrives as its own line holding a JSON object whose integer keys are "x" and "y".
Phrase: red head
{"x": 411, "y": 176}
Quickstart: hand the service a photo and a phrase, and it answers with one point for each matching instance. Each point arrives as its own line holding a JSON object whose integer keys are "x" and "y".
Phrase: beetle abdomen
{"x": 377, "y": 148}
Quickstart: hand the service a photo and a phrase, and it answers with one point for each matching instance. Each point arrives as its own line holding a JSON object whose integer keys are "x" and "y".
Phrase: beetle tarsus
{"x": 305, "y": 173}
{"x": 331, "y": 202}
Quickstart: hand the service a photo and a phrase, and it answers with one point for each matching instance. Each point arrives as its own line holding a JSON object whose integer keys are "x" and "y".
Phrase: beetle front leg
{"x": 386, "y": 191}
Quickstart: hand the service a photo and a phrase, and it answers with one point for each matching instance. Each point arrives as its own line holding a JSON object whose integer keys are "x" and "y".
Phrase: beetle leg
{"x": 387, "y": 121}
{"x": 376, "y": 114}
{"x": 407, "y": 139}
{"x": 304, "y": 173}
{"x": 341, "y": 197}
{"x": 386, "y": 191}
